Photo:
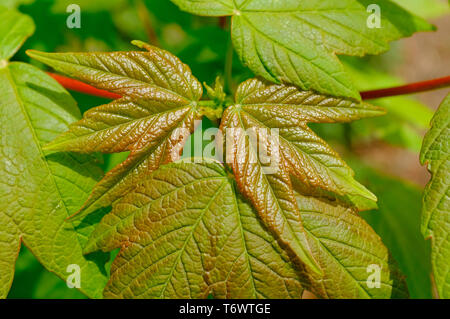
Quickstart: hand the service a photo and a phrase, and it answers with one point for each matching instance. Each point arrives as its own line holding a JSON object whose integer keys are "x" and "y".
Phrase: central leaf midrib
{"x": 241, "y": 228}
{"x": 276, "y": 198}
{"x": 180, "y": 252}
{"x": 169, "y": 277}
{"x": 131, "y": 122}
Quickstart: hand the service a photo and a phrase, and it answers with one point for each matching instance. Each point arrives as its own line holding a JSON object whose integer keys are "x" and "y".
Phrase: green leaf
{"x": 307, "y": 157}
{"x": 15, "y": 28}
{"x": 185, "y": 233}
{"x": 154, "y": 117}
{"x": 39, "y": 193}
{"x": 346, "y": 248}
{"x": 260, "y": 107}
{"x": 436, "y": 204}
{"x": 296, "y": 41}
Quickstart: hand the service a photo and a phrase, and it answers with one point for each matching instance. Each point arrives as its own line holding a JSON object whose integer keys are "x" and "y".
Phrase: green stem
{"x": 144, "y": 17}
{"x": 228, "y": 72}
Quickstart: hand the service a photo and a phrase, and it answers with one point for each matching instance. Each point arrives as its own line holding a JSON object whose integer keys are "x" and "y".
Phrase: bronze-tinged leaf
{"x": 266, "y": 106}
{"x": 153, "y": 72}
{"x": 153, "y": 118}
{"x": 270, "y": 194}
{"x": 185, "y": 233}
{"x": 297, "y": 151}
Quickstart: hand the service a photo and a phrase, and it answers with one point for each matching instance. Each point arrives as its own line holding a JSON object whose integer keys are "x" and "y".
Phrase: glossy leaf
{"x": 185, "y": 233}
{"x": 260, "y": 107}
{"x": 294, "y": 41}
{"x": 39, "y": 193}
{"x": 155, "y": 115}
{"x": 288, "y": 109}
{"x": 436, "y": 204}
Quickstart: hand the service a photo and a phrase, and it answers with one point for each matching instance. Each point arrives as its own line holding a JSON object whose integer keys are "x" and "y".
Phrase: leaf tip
{"x": 32, "y": 53}
{"x": 374, "y": 110}
{"x": 370, "y": 196}
{"x": 39, "y": 55}
{"x": 141, "y": 44}
{"x": 379, "y": 111}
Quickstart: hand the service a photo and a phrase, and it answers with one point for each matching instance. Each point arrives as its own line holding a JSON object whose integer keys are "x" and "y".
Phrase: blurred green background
{"x": 382, "y": 151}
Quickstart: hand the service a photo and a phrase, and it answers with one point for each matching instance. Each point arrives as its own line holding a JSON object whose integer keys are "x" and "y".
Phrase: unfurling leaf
{"x": 183, "y": 230}
{"x": 39, "y": 192}
{"x": 260, "y": 107}
{"x": 294, "y": 41}
{"x": 186, "y": 233}
{"x": 436, "y": 203}
{"x": 154, "y": 117}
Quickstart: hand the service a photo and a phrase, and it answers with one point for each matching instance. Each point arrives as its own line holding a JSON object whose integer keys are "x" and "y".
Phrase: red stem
{"x": 223, "y": 22}
{"x": 407, "y": 89}
{"x": 78, "y": 86}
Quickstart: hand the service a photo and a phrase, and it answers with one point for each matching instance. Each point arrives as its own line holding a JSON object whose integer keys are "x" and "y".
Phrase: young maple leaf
{"x": 157, "y": 102}
{"x": 262, "y": 106}
{"x": 185, "y": 232}
{"x": 151, "y": 120}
